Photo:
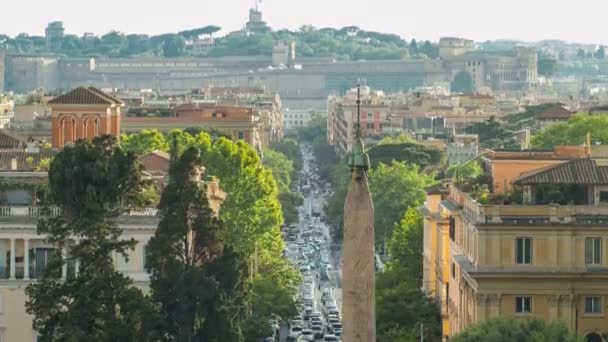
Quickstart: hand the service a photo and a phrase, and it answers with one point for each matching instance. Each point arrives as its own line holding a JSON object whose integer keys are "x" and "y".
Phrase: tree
{"x": 395, "y": 187}
{"x": 600, "y": 53}
{"x": 401, "y": 307}
{"x": 92, "y": 182}
{"x": 291, "y": 150}
{"x": 413, "y": 47}
{"x": 145, "y": 141}
{"x": 405, "y": 245}
{"x": 173, "y": 45}
{"x": 282, "y": 170}
{"x": 516, "y": 329}
{"x": 580, "y": 53}
{"x": 408, "y": 151}
{"x": 546, "y": 66}
{"x": 573, "y": 132}
{"x": 464, "y": 170}
{"x": 199, "y": 282}
{"x": 429, "y": 50}
{"x": 462, "y": 83}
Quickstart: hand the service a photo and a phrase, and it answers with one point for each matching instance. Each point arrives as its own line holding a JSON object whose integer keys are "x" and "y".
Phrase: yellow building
{"x": 535, "y": 253}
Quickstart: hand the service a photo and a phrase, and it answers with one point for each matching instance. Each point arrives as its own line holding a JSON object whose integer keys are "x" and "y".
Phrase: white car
{"x": 295, "y": 332}
{"x": 306, "y": 335}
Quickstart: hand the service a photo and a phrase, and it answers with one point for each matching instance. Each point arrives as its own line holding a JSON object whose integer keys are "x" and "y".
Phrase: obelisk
{"x": 358, "y": 271}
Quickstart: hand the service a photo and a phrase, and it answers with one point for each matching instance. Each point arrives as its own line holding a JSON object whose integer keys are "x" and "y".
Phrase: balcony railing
{"x": 55, "y": 211}
{"x": 528, "y": 213}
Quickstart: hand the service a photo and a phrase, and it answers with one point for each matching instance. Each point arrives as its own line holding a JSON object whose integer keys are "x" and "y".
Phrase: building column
{"x": 12, "y": 269}
{"x": 26, "y": 259}
{"x": 482, "y": 304}
{"x": 568, "y": 304}
{"x": 64, "y": 265}
{"x": 553, "y": 307}
{"x": 494, "y": 305}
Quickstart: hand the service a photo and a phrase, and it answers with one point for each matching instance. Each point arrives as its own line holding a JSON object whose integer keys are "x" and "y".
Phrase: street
{"x": 310, "y": 249}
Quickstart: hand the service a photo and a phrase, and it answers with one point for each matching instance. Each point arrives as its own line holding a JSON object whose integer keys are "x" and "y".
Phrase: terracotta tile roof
{"x": 21, "y": 157}
{"x": 555, "y": 113}
{"x": 7, "y": 140}
{"x": 580, "y": 171}
{"x": 82, "y": 95}
{"x": 110, "y": 97}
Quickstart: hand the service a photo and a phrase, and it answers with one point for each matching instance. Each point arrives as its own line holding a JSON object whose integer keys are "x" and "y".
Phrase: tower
{"x": 358, "y": 283}
{"x": 84, "y": 113}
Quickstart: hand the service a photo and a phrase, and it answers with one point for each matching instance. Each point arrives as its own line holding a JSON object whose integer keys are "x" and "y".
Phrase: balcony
{"x": 55, "y": 211}
{"x": 528, "y": 214}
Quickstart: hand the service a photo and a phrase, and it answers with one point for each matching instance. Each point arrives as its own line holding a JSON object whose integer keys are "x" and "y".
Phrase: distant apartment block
{"x": 297, "y": 118}
{"x": 342, "y": 118}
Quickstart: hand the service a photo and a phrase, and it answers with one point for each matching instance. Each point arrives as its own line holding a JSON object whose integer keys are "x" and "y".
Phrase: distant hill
{"x": 347, "y": 43}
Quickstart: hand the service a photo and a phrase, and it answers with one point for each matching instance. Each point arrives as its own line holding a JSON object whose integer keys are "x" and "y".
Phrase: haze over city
{"x": 304, "y": 171}
{"x": 580, "y": 21}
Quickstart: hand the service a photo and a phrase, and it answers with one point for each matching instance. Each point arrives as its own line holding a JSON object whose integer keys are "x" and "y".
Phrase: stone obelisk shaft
{"x": 358, "y": 284}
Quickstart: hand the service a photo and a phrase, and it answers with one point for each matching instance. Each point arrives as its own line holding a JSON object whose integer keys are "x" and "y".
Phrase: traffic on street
{"x": 309, "y": 248}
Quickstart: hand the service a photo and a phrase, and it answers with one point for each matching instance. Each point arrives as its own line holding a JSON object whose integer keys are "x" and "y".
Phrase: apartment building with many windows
{"x": 536, "y": 248}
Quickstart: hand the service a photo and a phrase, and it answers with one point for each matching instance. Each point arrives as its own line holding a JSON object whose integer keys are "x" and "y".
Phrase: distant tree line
{"x": 347, "y": 43}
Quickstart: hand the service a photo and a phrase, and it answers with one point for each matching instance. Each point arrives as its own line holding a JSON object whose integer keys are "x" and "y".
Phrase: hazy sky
{"x": 571, "y": 20}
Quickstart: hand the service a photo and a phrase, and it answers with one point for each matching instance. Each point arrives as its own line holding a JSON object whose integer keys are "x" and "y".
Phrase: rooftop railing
{"x": 528, "y": 213}
{"x": 23, "y": 211}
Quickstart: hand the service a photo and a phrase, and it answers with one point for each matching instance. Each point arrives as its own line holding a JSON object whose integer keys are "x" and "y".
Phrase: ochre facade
{"x": 547, "y": 261}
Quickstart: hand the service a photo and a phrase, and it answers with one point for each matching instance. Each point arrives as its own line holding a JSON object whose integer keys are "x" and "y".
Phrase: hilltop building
{"x": 312, "y": 81}
{"x": 54, "y": 34}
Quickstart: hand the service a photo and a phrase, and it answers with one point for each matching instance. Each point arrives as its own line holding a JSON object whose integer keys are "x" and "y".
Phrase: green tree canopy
{"x": 574, "y": 132}
{"x": 462, "y": 83}
{"x": 546, "y": 66}
{"x": 92, "y": 182}
{"x": 405, "y": 245}
{"x": 282, "y": 170}
{"x": 199, "y": 282}
{"x": 516, "y": 329}
{"x": 395, "y": 187}
{"x": 145, "y": 141}
{"x": 390, "y": 149}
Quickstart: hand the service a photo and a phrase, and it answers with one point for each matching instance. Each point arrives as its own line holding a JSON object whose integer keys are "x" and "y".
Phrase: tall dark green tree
{"x": 462, "y": 83}
{"x": 600, "y": 53}
{"x": 93, "y": 182}
{"x": 199, "y": 282}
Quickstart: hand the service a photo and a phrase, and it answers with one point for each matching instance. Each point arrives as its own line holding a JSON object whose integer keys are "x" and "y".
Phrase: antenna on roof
{"x": 358, "y": 132}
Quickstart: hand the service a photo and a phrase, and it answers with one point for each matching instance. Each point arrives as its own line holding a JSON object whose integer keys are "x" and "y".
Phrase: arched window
{"x": 593, "y": 337}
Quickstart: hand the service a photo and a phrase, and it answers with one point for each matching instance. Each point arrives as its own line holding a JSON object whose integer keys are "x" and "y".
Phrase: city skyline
{"x": 519, "y": 20}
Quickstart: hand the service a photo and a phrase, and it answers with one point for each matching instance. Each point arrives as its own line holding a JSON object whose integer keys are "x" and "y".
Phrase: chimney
{"x": 13, "y": 163}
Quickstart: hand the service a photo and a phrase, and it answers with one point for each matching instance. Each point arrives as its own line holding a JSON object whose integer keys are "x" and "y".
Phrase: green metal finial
{"x": 358, "y": 160}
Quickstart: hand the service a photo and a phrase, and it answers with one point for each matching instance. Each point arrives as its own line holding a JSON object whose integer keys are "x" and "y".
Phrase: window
{"x": 603, "y": 196}
{"x": 593, "y": 305}
{"x": 454, "y": 270}
{"x": 523, "y": 248}
{"x": 523, "y": 305}
{"x": 370, "y": 115}
{"x": 147, "y": 266}
{"x": 240, "y": 135}
{"x": 452, "y": 228}
{"x": 593, "y": 251}
{"x": 370, "y": 126}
